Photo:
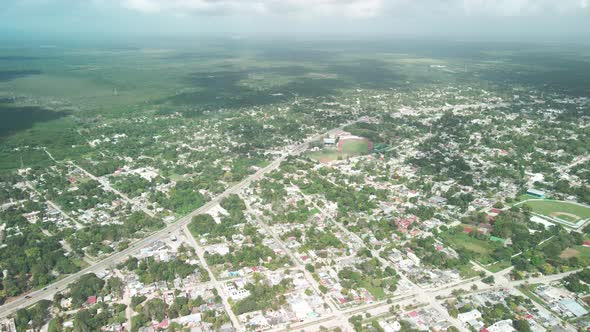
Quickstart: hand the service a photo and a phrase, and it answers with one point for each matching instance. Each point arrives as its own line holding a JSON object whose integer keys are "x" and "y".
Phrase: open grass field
{"x": 377, "y": 292}
{"x": 347, "y": 148}
{"x": 583, "y": 251}
{"x": 569, "y": 253}
{"x": 577, "y": 251}
{"x": 568, "y": 213}
{"x": 480, "y": 248}
{"x": 326, "y": 155}
{"x": 499, "y": 266}
{"x": 356, "y": 146}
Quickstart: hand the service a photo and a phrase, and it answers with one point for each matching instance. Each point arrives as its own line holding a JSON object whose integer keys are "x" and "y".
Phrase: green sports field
{"x": 347, "y": 148}
{"x": 355, "y": 146}
{"x": 560, "y": 211}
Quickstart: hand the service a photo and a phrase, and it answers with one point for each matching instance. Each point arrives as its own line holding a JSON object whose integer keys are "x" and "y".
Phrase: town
{"x": 294, "y": 165}
{"x": 418, "y": 217}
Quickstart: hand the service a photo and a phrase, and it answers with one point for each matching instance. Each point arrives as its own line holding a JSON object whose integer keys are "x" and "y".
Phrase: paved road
{"x": 9, "y": 204}
{"x": 422, "y": 294}
{"x": 345, "y": 326}
{"x": 54, "y": 206}
{"x": 107, "y": 186}
{"x": 109, "y": 262}
{"x": 218, "y": 285}
{"x": 337, "y": 317}
{"x": 427, "y": 296}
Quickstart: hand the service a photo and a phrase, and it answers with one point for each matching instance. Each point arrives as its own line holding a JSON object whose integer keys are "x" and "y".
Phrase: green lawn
{"x": 355, "y": 146}
{"x": 583, "y": 252}
{"x": 482, "y": 249}
{"x": 548, "y": 207}
{"x": 377, "y": 292}
{"x": 568, "y": 218}
{"x": 467, "y": 271}
{"x": 325, "y": 155}
{"x": 499, "y": 266}
{"x": 350, "y": 148}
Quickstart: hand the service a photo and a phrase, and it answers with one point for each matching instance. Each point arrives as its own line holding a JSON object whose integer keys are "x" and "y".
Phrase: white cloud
{"x": 342, "y": 8}
{"x": 347, "y": 8}
{"x": 522, "y": 7}
{"x": 361, "y": 8}
{"x": 147, "y": 6}
{"x": 195, "y": 6}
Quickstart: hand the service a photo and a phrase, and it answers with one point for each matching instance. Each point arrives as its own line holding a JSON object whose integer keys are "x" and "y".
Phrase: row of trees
{"x": 149, "y": 270}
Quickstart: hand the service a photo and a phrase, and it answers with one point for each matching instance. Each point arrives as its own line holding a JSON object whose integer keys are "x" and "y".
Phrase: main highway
{"x": 48, "y": 292}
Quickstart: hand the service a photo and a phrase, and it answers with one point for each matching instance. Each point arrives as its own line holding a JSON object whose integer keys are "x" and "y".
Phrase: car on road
{"x": 27, "y": 297}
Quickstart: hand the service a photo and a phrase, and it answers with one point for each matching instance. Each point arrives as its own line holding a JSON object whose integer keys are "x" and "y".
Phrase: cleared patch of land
{"x": 569, "y": 253}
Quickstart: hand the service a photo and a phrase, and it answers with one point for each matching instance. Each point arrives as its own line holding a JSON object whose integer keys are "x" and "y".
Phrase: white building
{"x": 7, "y": 325}
{"x": 329, "y": 141}
{"x": 390, "y": 327}
{"x": 236, "y": 293}
{"x": 470, "y": 315}
{"x": 502, "y": 326}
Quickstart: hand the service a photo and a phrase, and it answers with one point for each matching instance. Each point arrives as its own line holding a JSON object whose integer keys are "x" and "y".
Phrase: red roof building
{"x": 163, "y": 324}
{"x": 404, "y": 224}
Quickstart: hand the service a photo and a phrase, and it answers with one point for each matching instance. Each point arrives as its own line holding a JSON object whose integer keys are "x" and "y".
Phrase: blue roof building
{"x": 574, "y": 307}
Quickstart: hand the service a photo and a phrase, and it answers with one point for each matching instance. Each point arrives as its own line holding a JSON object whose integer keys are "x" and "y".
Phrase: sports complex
{"x": 347, "y": 146}
{"x": 570, "y": 214}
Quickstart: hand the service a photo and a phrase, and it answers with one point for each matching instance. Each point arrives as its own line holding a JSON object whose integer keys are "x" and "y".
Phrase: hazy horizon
{"x": 111, "y": 20}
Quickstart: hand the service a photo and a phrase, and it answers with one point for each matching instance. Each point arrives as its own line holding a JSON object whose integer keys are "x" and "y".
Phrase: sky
{"x": 511, "y": 20}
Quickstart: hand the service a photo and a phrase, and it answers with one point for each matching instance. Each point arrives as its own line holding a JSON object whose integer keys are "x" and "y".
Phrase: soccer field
{"x": 356, "y": 146}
